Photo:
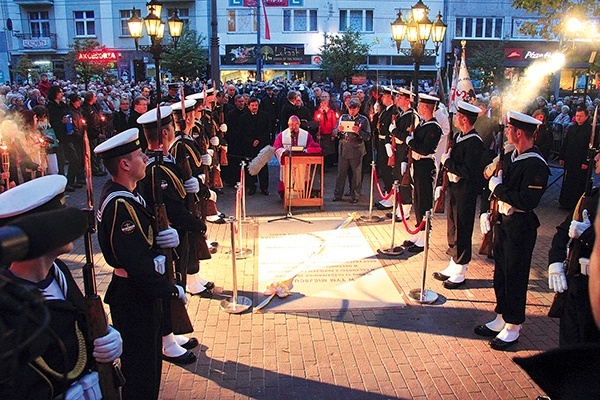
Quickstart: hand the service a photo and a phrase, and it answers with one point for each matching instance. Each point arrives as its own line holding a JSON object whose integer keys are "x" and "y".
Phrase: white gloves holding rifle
{"x": 484, "y": 223}
{"x": 191, "y": 185}
{"x": 557, "y": 280}
{"x": 108, "y": 347}
{"x": 167, "y": 239}
{"x": 577, "y": 228}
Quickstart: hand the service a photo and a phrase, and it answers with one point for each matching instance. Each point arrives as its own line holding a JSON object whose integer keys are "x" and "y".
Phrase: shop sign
{"x": 271, "y": 54}
{"x": 267, "y": 3}
{"x": 317, "y": 60}
{"x": 103, "y": 56}
{"x": 520, "y": 54}
{"x": 534, "y": 55}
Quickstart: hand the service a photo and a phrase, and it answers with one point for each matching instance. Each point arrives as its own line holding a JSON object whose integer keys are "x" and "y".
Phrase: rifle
{"x": 95, "y": 315}
{"x": 197, "y": 239}
{"x": 180, "y": 319}
{"x": 440, "y": 204}
{"x": 406, "y": 178}
{"x": 487, "y": 241}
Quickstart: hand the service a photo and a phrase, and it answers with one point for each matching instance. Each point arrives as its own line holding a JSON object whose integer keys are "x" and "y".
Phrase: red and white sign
{"x": 316, "y": 60}
{"x": 103, "y": 56}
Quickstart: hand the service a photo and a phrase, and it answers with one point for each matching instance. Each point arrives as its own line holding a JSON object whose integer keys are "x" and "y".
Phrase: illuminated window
{"x": 241, "y": 20}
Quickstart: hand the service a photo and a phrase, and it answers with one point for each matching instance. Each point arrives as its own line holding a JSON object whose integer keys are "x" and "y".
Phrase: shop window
{"x": 85, "y": 24}
{"x": 357, "y": 20}
{"x": 39, "y": 22}
{"x": 299, "y": 20}
{"x": 241, "y": 20}
{"x": 483, "y": 28}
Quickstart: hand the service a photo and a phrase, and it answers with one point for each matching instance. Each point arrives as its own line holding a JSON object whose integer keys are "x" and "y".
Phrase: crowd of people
{"x": 191, "y": 139}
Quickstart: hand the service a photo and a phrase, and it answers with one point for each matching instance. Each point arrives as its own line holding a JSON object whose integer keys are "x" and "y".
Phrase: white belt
{"x": 416, "y": 156}
{"x": 398, "y": 141}
{"x": 382, "y": 137}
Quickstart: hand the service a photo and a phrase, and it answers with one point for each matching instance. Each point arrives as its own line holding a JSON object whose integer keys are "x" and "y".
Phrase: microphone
{"x": 34, "y": 235}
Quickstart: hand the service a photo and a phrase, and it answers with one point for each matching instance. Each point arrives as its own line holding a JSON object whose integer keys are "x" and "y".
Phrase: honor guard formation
{"x": 165, "y": 166}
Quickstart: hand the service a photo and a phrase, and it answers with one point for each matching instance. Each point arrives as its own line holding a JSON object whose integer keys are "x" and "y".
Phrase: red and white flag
{"x": 267, "y": 30}
{"x": 452, "y": 103}
{"x": 464, "y": 87}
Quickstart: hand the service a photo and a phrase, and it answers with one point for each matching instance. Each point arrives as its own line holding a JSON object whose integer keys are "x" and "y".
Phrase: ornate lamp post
{"x": 418, "y": 32}
{"x": 155, "y": 28}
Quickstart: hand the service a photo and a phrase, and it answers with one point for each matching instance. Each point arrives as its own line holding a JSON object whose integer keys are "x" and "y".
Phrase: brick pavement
{"x": 416, "y": 352}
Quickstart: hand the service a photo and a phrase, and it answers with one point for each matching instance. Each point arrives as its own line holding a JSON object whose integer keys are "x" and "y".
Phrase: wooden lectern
{"x": 307, "y": 180}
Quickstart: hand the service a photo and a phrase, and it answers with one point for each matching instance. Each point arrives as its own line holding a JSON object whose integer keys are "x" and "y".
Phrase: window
{"x": 241, "y": 21}
{"x": 490, "y": 28}
{"x": 84, "y": 23}
{"x": 125, "y": 15}
{"x": 39, "y": 23}
{"x": 299, "y": 20}
{"x": 357, "y": 20}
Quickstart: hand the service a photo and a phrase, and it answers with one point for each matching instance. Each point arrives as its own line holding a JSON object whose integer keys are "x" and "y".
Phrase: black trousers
{"x": 423, "y": 178}
{"x": 384, "y": 171}
{"x": 514, "y": 240}
{"x": 262, "y": 176}
{"x": 460, "y": 219}
{"x": 577, "y": 322}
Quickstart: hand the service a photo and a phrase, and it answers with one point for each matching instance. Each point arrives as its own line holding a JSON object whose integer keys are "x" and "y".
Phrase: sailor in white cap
{"x": 462, "y": 164}
{"x": 174, "y": 191}
{"x": 388, "y": 114}
{"x": 405, "y": 122}
{"x": 126, "y": 233}
{"x": 57, "y": 372}
{"x": 422, "y": 142}
{"x": 518, "y": 188}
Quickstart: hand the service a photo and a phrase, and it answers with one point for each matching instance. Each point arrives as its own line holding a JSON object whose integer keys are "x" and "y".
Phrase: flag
{"x": 452, "y": 103}
{"x": 439, "y": 87}
{"x": 267, "y": 30}
{"x": 464, "y": 87}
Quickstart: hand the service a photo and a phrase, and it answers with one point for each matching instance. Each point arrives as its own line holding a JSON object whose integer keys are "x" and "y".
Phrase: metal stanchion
{"x": 393, "y": 250}
{"x": 243, "y": 183}
{"x": 422, "y": 295}
{"x": 236, "y": 304}
{"x": 241, "y": 252}
{"x": 371, "y": 217}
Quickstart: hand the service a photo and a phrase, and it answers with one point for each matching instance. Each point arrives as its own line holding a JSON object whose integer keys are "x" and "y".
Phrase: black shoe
{"x": 221, "y": 215}
{"x": 206, "y": 293}
{"x": 453, "y": 285}
{"x": 353, "y": 201}
{"x": 186, "y": 358}
{"x": 483, "y": 330}
{"x": 218, "y": 221}
{"x": 265, "y": 192}
{"x": 501, "y": 345}
{"x": 439, "y": 276}
{"x": 415, "y": 249}
{"x": 212, "y": 250}
{"x": 193, "y": 342}
{"x": 70, "y": 188}
{"x": 77, "y": 185}
{"x": 251, "y": 191}
{"x": 380, "y": 206}
{"x": 347, "y": 193}
{"x": 209, "y": 285}
{"x": 408, "y": 243}
{"x": 337, "y": 199}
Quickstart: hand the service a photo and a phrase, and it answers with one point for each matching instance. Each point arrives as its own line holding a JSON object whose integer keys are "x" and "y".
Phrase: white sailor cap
{"x": 522, "y": 121}
{"x": 120, "y": 144}
{"x": 148, "y": 118}
{"x": 467, "y": 109}
{"x": 195, "y": 96}
{"x": 428, "y": 99}
{"x": 388, "y": 90}
{"x": 406, "y": 92}
{"x": 189, "y": 106}
{"x": 41, "y": 194}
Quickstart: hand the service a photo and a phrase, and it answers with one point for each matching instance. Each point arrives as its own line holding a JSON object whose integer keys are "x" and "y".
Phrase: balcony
{"x": 35, "y": 2}
{"x": 27, "y": 43}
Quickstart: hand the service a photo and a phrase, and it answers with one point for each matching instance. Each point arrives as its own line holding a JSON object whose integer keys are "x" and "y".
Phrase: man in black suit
{"x": 121, "y": 117}
{"x": 256, "y": 134}
{"x": 140, "y": 106}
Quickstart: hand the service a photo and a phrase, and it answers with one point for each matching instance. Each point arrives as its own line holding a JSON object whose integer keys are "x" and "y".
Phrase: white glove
{"x": 484, "y": 223}
{"x": 159, "y": 264}
{"x": 557, "y": 280}
{"x": 214, "y": 141}
{"x": 453, "y": 177}
{"x": 108, "y": 347}
{"x": 191, "y": 185}
{"x": 392, "y": 127}
{"x": 437, "y": 193}
{"x": 181, "y": 294}
{"x": 495, "y": 181}
{"x": 202, "y": 177}
{"x": 584, "y": 264}
{"x": 409, "y": 138}
{"x": 388, "y": 149}
{"x": 206, "y": 159}
{"x": 403, "y": 167}
{"x": 223, "y": 128}
{"x": 577, "y": 228}
{"x": 167, "y": 239}
{"x": 490, "y": 168}
{"x": 445, "y": 156}
{"x": 508, "y": 147}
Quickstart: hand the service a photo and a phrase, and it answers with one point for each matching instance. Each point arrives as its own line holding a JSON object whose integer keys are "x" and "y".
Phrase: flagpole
{"x": 258, "y": 54}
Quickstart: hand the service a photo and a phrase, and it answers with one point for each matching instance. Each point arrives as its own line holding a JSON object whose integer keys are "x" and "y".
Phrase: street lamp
{"x": 418, "y": 31}
{"x": 155, "y": 28}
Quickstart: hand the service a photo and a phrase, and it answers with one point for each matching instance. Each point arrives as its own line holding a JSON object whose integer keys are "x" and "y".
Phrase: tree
{"x": 86, "y": 70}
{"x": 486, "y": 64}
{"x": 188, "y": 60}
{"x": 343, "y": 55}
{"x": 24, "y": 65}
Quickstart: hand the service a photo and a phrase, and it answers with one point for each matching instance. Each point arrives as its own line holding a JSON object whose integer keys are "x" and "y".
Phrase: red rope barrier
{"x": 381, "y": 195}
{"x": 418, "y": 228}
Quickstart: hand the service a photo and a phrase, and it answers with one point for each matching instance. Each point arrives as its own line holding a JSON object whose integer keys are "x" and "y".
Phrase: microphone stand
{"x": 289, "y": 192}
